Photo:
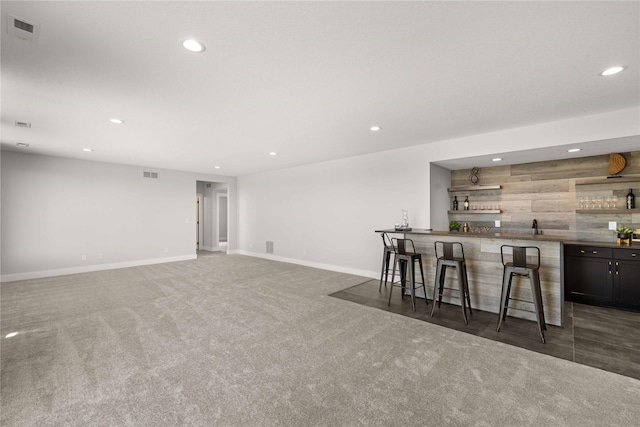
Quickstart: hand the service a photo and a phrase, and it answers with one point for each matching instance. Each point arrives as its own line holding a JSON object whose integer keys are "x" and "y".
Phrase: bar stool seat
{"x": 446, "y": 260}
{"x": 519, "y": 267}
{"x": 388, "y": 252}
{"x": 405, "y": 259}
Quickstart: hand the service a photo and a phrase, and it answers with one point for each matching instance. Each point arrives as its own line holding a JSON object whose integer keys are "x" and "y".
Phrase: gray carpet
{"x": 231, "y": 340}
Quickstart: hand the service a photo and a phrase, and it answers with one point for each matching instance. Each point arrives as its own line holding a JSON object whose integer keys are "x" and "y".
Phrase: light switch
{"x": 497, "y": 223}
{"x": 613, "y": 225}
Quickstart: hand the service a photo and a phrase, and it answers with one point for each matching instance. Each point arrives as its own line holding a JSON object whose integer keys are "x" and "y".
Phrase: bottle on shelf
{"x": 631, "y": 200}
{"x": 455, "y": 203}
{"x": 466, "y": 203}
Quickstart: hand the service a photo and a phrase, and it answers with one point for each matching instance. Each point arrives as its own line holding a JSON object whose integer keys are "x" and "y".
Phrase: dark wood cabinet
{"x": 627, "y": 277}
{"x": 602, "y": 275}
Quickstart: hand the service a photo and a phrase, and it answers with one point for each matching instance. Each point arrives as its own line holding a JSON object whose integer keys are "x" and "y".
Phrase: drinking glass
{"x": 599, "y": 202}
{"x": 615, "y": 201}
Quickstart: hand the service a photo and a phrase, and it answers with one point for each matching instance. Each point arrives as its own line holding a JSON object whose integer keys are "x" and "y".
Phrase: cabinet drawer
{"x": 589, "y": 251}
{"x": 627, "y": 254}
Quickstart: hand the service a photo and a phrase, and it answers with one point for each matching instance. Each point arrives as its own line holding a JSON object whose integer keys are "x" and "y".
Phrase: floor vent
{"x": 269, "y": 247}
{"x": 22, "y": 29}
{"x": 153, "y": 175}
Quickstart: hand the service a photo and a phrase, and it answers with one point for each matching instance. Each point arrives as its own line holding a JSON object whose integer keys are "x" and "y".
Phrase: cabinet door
{"x": 627, "y": 283}
{"x": 588, "y": 279}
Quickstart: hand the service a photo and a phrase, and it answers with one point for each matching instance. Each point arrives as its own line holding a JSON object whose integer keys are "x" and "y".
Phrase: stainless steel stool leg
{"x": 504, "y": 299}
{"x": 537, "y": 302}
{"x": 412, "y": 283}
{"x": 466, "y": 287}
{"x": 463, "y": 300}
{"x": 426, "y": 297}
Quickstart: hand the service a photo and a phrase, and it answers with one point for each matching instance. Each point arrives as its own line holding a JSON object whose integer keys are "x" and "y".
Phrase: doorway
{"x": 212, "y": 216}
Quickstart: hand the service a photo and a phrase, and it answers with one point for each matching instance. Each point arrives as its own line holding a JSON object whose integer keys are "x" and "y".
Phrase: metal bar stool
{"x": 519, "y": 267}
{"x": 405, "y": 258}
{"x": 389, "y": 251}
{"x": 445, "y": 260}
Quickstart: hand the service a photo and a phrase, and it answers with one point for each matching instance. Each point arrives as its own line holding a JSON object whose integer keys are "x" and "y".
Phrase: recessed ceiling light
{"x": 88, "y": 150}
{"x": 375, "y": 128}
{"x": 193, "y": 45}
{"x": 216, "y": 167}
{"x": 574, "y": 150}
{"x": 273, "y": 153}
{"x": 117, "y": 121}
{"x": 22, "y": 144}
{"x": 612, "y": 70}
{"x": 11, "y": 335}
{"x": 497, "y": 159}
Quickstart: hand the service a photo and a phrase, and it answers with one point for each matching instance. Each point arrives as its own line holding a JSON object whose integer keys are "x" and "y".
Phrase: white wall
{"x": 56, "y": 210}
{"x": 325, "y": 214}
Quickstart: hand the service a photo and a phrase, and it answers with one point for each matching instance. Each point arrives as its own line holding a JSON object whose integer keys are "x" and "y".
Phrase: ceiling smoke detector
{"x": 22, "y": 29}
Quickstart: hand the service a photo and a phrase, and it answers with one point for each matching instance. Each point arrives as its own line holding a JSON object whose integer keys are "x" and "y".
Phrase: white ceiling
{"x": 304, "y": 79}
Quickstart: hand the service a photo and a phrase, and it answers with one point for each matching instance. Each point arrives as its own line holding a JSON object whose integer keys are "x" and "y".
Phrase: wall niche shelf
{"x": 605, "y": 180}
{"x": 476, "y": 212}
{"x": 474, "y": 188}
{"x": 607, "y": 211}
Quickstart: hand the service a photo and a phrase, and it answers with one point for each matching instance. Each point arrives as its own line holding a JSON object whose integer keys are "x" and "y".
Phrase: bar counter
{"x": 484, "y": 269}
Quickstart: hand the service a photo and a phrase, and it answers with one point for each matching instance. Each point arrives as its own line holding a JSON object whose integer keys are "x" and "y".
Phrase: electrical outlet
{"x": 497, "y": 223}
{"x": 84, "y": 257}
{"x": 166, "y": 250}
{"x": 613, "y": 225}
{"x": 100, "y": 255}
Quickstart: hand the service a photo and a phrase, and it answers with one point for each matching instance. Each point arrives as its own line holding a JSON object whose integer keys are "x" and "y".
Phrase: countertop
{"x": 633, "y": 246}
{"x": 508, "y": 236}
{"x": 512, "y": 236}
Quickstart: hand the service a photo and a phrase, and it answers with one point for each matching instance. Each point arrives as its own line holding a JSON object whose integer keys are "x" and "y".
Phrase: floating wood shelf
{"x": 605, "y": 180}
{"x": 474, "y": 188}
{"x": 477, "y": 211}
{"x": 607, "y": 211}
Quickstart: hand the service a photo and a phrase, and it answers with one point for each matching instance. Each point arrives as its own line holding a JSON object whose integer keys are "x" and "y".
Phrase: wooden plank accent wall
{"x": 484, "y": 272}
{"x": 547, "y": 191}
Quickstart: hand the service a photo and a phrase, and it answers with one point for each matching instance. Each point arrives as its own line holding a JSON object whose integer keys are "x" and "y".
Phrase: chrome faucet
{"x": 534, "y": 227}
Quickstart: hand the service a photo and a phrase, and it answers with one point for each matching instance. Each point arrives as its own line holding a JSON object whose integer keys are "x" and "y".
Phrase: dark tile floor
{"x": 604, "y": 338}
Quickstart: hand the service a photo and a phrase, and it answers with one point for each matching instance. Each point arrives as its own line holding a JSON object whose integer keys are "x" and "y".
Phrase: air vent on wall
{"x": 153, "y": 175}
{"x": 22, "y": 29}
{"x": 23, "y": 124}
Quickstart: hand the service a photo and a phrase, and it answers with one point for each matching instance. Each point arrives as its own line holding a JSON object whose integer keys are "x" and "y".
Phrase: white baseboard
{"x": 330, "y": 267}
{"x": 90, "y": 268}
